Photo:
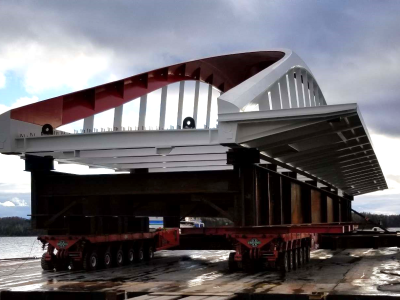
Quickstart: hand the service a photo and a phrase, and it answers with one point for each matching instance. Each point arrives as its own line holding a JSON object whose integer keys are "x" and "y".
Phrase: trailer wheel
{"x": 108, "y": 259}
{"x": 131, "y": 255}
{"x": 61, "y": 265}
{"x": 91, "y": 261}
{"x": 290, "y": 260}
{"x": 249, "y": 265}
{"x": 301, "y": 256}
{"x": 307, "y": 253}
{"x": 75, "y": 265}
{"x": 139, "y": 254}
{"x": 232, "y": 264}
{"x": 120, "y": 258}
{"x": 283, "y": 262}
{"x": 149, "y": 254}
{"x": 46, "y": 265}
{"x": 295, "y": 258}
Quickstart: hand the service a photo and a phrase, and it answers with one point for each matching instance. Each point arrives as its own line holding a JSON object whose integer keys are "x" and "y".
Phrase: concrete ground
{"x": 344, "y": 272}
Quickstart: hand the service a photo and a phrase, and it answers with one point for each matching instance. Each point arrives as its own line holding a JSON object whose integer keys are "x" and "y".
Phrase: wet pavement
{"x": 344, "y": 272}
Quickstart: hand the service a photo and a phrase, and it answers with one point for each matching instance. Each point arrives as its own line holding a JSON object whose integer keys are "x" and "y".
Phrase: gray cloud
{"x": 382, "y": 204}
{"x": 22, "y": 202}
{"x": 351, "y": 46}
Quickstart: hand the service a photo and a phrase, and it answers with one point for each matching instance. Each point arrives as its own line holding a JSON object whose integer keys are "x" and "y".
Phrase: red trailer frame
{"x": 75, "y": 251}
{"x": 285, "y": 247}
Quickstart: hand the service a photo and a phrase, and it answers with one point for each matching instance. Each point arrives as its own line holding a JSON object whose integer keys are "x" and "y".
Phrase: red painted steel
{"x": 165, "y": 239}
{"x": 223, "y": 72}
{"x": 279, "y": 229}
{"x": 270, "y": 245}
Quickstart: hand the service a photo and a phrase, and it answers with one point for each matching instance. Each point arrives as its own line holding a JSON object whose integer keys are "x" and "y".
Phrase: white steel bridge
{"x": 269, "y": 100}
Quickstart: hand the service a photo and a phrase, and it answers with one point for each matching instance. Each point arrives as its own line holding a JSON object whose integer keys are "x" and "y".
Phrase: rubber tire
{"x": 139, "y": 255}
{"x": 149, "y": 253}
{"x": 108, "y": 259}
{"x": 120, "y": 258}
{"x": 295, "y": 259}
{"x": 232, "y": 264}
{"x": 301, "y": 256}
{"x": 46, "y": 265}
{"x": 75, "y": 265}
{"x": 307, "y": 254}
{"x": 88, "y": 263}
{"x": 290, "y": 260}
{"x": 249, "y": 266}
{"x": 61, "y": 265}
{"x": 283, "y": 262}
{"x": 130, "y": 255}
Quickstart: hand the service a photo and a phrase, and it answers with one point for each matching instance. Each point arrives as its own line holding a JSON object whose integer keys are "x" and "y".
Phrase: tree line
{"x": 384, "y": 220}
{"x": 15, "y": 226}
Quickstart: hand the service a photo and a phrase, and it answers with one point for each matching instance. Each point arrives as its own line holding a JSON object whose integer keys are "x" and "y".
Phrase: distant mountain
{"x": 16, "y": 226}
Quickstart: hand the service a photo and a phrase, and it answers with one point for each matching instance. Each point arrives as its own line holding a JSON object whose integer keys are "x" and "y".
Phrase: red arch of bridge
{"x": 223, "y": 72}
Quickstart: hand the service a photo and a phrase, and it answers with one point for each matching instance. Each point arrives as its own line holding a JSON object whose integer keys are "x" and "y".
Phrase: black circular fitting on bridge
{"x": 189, "y": 123}
{"x": 47, "y": 129}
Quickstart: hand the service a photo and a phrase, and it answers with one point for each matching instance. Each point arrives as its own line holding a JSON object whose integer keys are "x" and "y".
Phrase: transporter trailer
{"x": 258, "y": 147}
{"x": 93, "y": 252}
{"x": 284, "y": 248}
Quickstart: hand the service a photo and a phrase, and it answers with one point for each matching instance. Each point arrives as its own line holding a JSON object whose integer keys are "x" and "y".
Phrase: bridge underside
{"x": 249, "y": 195}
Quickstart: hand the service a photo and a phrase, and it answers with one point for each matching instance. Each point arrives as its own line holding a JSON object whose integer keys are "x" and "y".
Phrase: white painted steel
{"x": 305, "y": 87}
{"x": 317, "y": 101}
{"x": 88, "y": 124}
{"x": 180, "y": 104}
{"x": 312, "y": 100}
{"x": 163, "y": 107}
{"x": 275, "y": 98}
{"x": 142, "y": 112}
{"x": 292, "y": 89}
{"x": 300, "y": 95}
{"x": 118, "y": 111}
{"x": 196, "y": 101}
{"x": 284, "y": 92}
{"x": 272, "y": 111}
{"x": 209, "y": 99}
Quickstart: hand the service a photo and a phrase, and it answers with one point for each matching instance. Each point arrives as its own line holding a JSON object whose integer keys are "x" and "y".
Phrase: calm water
{"x": 16, "y": 247}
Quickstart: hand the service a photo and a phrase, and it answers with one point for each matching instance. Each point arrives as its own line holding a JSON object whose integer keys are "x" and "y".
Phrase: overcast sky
{"x": 48, "y": 48}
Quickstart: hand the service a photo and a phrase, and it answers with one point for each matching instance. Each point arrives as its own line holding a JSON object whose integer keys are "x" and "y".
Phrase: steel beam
{"x": 209, "y": 99}
{"x": 121, "y": 140}
{"x": 275, "y": 97}
{"x": 195, "y": 163}
{"x": 196, "y": 101}
{"x": 163, "y": 107}
{"x": 155, "y": 159}
{"x": 284, "y": 93}
{"x": 292, "y": 89}
{"x": 118, "y": 111}
{"x": 300, "y": 96}
{"x": 180, "y": 104}
{"x": 305, "y": 86}
{"x": 142, "y": 112}
{"x": 312, "y": 92}
{"x": 88, "y": 124}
